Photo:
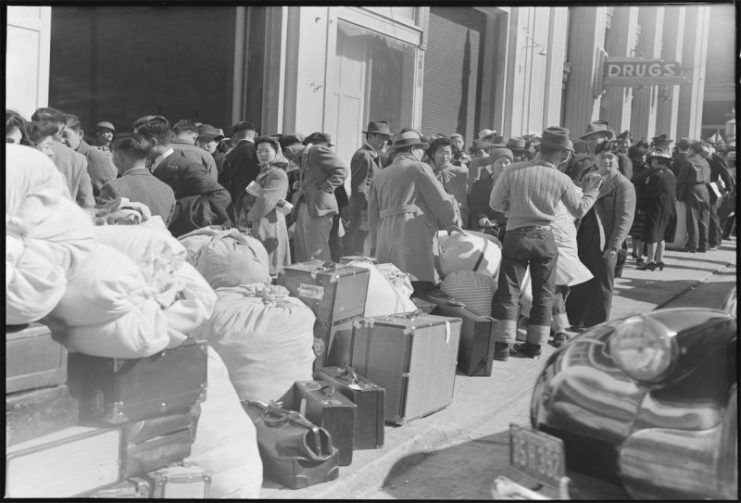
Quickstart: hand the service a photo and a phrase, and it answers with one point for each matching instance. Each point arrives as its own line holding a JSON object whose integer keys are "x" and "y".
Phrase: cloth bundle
{"x": 48, "y": 236}
{"x": 468, "y": 251}
{"x": 473, "y": 289}
{"x": 389, "y": 289}
{"x": 265, "y": 338}
{"x": 227, "y": 258}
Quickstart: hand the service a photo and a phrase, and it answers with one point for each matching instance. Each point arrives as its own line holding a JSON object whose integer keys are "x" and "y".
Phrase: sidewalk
{"x": 477, "y": 399}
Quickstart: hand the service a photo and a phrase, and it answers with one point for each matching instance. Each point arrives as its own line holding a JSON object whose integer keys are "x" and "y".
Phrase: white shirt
{"x": 161, "y": 158}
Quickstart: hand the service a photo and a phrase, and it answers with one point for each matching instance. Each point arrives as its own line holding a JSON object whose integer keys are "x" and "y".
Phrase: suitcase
{"x": 182, "y": 481}
{"x": 333, "y": 292}
{"x": 155, "y": 443}
{"x": 413, "y": 357}
{"x": 367, "y": 396}
{"x": 118, "y": 390}
{"x": 67, "y": 463}
{"x": 337, "y": 340}
{"x": 131, "y": 488}
{"x": 32, "y": 358}
{"x": 424, "y": 305}
{"x": 354, "y": 258}
{"x": 31, "y": 414}
{"x": 476, "y": 351}
{"x": 324, "y": 406}
{"x": 294, "y": 451}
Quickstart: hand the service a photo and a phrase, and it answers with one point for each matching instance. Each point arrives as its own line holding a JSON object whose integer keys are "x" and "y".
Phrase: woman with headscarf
{"x": 482, "y": 216}
{"x": 656, "y": 198}
{"x": 262, "y": 205}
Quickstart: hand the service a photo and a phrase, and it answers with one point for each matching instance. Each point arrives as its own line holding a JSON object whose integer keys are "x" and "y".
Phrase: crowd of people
{"x": 561, "y": 206}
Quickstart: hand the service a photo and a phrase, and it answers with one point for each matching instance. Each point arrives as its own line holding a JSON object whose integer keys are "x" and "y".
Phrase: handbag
{"x": 294, "y": 451}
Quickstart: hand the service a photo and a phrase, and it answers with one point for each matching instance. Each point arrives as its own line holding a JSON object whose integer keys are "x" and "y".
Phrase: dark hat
{"x": 456, "y": 135}
{"x": 625, "y": 135}
{"x": 407, "y": 139}
{"x": 516, "y": 144}
{"x": 661, "y": 139}
{"x": 208, "y": 132}
{"x": 598, "y": 128}
{"x": 556, "y": 137}
{"x": 683, "y": 144}
{"x": 105, "y": 125}
{"x": 499, "y": 141}
{"x": 317, "y": 137}
{"x": 243, "y": 126}
{"x": 378, "y": 127}
{"x": 480, "y": 145}
{"x": 663, "y": 154}
{"x": 496, "y": 153}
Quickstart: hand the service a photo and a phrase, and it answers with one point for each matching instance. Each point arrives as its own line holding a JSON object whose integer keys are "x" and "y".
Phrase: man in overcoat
{"x": 405, "y": 204}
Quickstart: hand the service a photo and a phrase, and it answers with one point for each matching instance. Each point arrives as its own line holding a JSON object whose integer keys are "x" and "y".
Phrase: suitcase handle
{"x": 351, "y": 372}
{"x": 328, "y": 390}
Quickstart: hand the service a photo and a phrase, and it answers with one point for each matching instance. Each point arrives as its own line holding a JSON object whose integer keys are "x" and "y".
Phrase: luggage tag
{"x": 353, "y": 379}
{"x": 308, "y": 291}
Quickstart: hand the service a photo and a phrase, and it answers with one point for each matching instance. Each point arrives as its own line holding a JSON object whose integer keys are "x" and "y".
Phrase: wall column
{"x": 643, "y": 114}
{"x": 620, "y": 43}
{"x": 673, "y": 36}
{"x": 689, "y": 117}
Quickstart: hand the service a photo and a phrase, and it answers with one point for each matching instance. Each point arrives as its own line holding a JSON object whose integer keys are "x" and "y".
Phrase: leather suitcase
{"x": 131, "y": 488}
{"x": 337, "y": 340}
{"x": 181, "y": 481}
{"x": 369, "y": 398}
{"x": 155, "y": 443}
{"x": 32, "y": 358}
{"x": 324, "y": 406}
{"x": 424, "y": 305}
{"x": 294, "y": 451}
{"x": 334, "y": 292}
{"x": 413, "y": 357}
{"x": 476, "y": 352}
{"x": 118, "y": 390}
{"x": 67, "y": 463}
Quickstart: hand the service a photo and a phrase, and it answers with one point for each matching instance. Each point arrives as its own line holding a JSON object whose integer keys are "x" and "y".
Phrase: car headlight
{"x": 644, "y": 348}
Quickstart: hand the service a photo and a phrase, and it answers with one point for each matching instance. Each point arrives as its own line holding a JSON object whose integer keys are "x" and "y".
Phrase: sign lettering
{"x": 629, "y": 72}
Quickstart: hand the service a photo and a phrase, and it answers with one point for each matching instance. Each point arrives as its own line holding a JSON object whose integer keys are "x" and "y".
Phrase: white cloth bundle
{"x": 462, "y": 251}
{"x": 389, "y": 289}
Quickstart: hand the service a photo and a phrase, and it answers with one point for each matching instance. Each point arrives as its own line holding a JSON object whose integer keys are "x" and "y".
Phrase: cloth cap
{"x": 496, "y": 153}
{"x": 208, "y": 132}
{"x": 105, "y": 125}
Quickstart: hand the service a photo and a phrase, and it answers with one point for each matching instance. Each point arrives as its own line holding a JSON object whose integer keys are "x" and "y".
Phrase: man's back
{"x": 240, "y": 168}
{"x": 198, "y": 155}
{"x": 139, "y": 185}
{"x": 74, "y": 168}
{"x": 100, "y": 166}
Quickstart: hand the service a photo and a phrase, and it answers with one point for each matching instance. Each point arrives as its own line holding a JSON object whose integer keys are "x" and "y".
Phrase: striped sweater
{"x": 529, "y": 192}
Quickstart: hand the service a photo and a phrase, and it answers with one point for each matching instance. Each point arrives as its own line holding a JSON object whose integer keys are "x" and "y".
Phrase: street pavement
{"x": 482, "y": 401}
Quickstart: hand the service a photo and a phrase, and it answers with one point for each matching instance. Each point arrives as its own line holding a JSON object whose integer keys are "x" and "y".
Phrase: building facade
{"x": 334, "y": 68}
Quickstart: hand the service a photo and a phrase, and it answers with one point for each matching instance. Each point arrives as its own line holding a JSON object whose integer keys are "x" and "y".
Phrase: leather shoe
{"x": 689, "y": 250}
{"x": 527, "y": 349}
{"x": 501, "y": 351}
{"x": 559, "y": 339}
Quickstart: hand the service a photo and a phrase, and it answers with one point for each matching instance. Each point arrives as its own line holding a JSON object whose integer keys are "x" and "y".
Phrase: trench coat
{"x": 405, "y": 205}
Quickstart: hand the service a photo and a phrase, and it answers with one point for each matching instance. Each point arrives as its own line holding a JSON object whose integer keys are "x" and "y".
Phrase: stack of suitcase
{"x": 136, "y": 422}
{"x": 336, "y": 293}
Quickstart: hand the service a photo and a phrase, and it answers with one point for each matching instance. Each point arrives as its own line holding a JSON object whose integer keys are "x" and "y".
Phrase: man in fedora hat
{"x": 460, "y": 157}
{"x": 518, "y": 147}
{"x": 365, "y": 163}
{"x": 693, "y": 176}
{"x": 598, "y": 132}
{"x": 405, "y": 204}
{"x": 529, "y": 193}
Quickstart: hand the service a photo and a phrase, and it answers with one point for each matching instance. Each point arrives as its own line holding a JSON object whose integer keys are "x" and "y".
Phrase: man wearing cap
{"x": 100, "y": 166}
{"x": 365, "y": 163}
{"x": 321, "y": 172}
{"x": 529, "y": 193}
{"x": 721, "y": 181}
{"x": 103, "y": 136}
{"x": 208, "y": 139}
{"x": 73, "y": 165}
{"x": 693, "y": 175}
{"x": 201, "y": 201}
{"x": 460, "y": 157}
{"x": 405, "y": 204}
{"x": 481, "y": 214}
{"x": 519, "y": 149}
{"x": 487, "y": 139}
{"x": 598, "y": 132}
{"x": 185, "y": 134}
{"x": 240, "y": 164}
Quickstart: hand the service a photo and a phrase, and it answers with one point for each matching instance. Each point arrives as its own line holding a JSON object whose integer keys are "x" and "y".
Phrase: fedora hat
{"x": 378, "y": 127}
{"x": 663, "y": 154}
{"x": 516, "y": 144}
{"x": 556, "y": 137}
{"x": 598, "y": 129}
{"x": 486, "y": 133}
{"x": 498, "y": 141}
{"x": 208, "y": 132}
{"x": 409, "y": 138}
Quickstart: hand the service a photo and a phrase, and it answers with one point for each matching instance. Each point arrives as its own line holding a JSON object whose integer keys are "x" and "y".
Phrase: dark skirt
{"x": 638, "y": 229}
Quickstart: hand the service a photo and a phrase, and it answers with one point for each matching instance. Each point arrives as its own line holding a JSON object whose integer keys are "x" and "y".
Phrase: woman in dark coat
{"x": 657, "y": 196}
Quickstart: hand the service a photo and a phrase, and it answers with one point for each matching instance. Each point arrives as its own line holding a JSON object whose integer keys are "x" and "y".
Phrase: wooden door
{"x": 27, "y": 58}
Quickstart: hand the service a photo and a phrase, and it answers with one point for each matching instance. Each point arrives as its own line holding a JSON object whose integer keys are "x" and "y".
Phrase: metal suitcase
{"x": 32, "y": 358}
{"x": 118, "y": 390}
{"x": 413, "y": 357}
{"x": 334, "y": 292}
{"x": 321, "y": 404}
{"x": 336, "y": 339}
{"x": 131, "y": 488}
{"x": 155, "y": 443}
{"x": 476, "y": 352}
{"x": 369, "y": 398}
{"x": 67, "y": 463}
{"x": 182, "y": 481}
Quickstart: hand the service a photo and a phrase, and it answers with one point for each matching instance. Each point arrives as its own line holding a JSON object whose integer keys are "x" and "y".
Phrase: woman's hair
{"x": 270, "y": 141}
{"x": 133, "y": 145}
{"x": 605, "y": 146}
{"x": 73, "y": 122}
{"x": 15, "y": 120}
{"x": 37, "y": 131}
{"x": 437, "y": 144}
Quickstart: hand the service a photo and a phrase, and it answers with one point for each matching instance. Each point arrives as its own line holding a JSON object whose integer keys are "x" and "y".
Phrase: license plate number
{"x": 537, "y": 454}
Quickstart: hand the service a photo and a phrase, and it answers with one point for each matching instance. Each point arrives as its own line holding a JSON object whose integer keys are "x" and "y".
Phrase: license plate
{"x": 537, "y": 454}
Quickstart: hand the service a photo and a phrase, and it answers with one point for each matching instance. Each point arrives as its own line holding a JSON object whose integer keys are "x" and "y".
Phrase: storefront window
{"x": 400, "y": 13}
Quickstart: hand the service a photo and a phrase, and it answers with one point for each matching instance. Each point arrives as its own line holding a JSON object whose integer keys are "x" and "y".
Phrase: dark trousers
{"x": 533, "y": 246}
{"x": 715, "y": 232}
{"x": 354, "y": 241}
{"x": 698, "y": 217}
{"x": 335, "y": 246}
{"x": 590, "y": 303}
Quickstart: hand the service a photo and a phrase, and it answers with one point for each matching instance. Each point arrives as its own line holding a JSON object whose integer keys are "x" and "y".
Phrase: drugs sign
{"x": 629, "y": 72}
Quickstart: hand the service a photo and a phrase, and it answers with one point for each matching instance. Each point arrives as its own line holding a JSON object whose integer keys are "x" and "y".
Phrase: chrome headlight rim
{"x": 647, "y": 328}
